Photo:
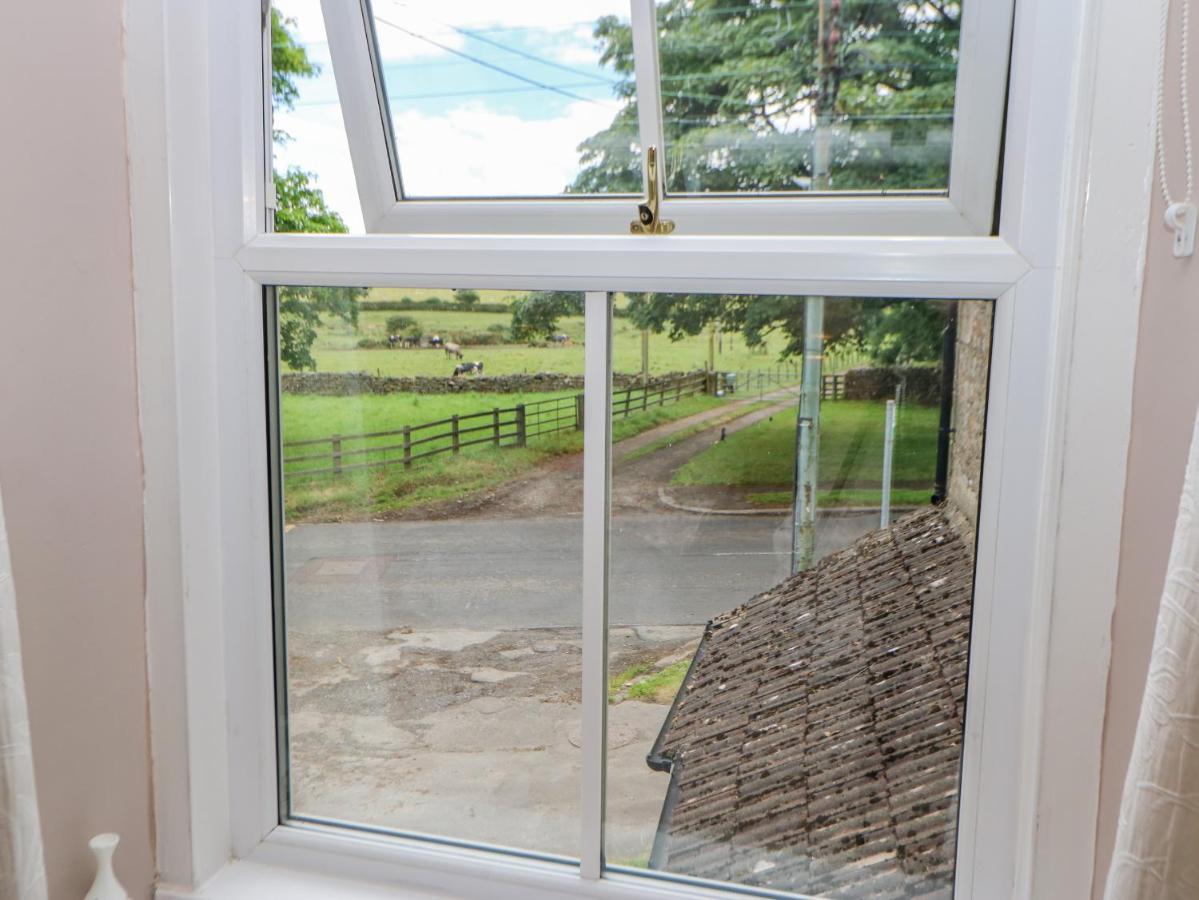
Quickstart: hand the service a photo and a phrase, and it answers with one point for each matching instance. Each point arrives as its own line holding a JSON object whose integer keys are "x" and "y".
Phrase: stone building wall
{"x": 971, "y": 368}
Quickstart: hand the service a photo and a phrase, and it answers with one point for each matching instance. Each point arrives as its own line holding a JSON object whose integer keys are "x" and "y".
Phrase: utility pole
{"x": 807, "y": 461}
{"x": 645, "y": 354}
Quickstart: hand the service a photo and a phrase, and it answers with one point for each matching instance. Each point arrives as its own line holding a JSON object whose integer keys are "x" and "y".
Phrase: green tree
{"x": 891, "y": 331}
{"x": 736, "y": 75}
{"x": 536, "y": 315}
{"x": 467, "y": 297}
{"x": 400, "y": 324}
{"x": 300, "y": 206}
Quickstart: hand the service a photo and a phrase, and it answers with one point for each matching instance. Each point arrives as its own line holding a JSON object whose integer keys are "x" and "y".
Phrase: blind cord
{"x": 1180, "y": 214}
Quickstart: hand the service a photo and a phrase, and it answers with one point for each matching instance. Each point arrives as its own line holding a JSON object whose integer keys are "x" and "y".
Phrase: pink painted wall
{"x": 1165, "y": 395}
{"x": 70, "y": 464}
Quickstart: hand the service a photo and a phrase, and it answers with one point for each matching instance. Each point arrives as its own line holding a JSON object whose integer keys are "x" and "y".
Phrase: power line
{"x": 478, "y": 36}
{"x": 485, "y": 63}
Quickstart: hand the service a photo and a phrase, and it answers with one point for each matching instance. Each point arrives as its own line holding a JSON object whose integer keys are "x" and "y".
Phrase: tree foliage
{"x": 742, "y": 87}
{"x": 536, "y": 315}
{"x": 893, "y": 332}
{"x": 467, "y": 297}
{"x": 300, "y": 206}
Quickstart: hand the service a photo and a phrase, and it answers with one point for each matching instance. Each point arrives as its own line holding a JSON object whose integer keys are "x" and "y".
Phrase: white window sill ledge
{"x": 245, "y": 880}
{"x": 313, "y": 862}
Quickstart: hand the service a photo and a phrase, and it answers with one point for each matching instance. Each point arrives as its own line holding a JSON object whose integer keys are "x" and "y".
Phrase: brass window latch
{"x": 648, "y": 221}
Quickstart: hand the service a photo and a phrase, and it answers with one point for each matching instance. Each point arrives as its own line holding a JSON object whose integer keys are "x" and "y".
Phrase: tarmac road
{"x": 666, "y": 569}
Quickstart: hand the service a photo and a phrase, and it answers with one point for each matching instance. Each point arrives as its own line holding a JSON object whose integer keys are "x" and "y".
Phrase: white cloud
{"x": 468, "y": 152}
{"x": 472, "y": 151}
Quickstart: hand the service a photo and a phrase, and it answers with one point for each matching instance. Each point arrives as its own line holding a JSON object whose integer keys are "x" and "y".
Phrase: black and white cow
{"x": 468, "y": 368}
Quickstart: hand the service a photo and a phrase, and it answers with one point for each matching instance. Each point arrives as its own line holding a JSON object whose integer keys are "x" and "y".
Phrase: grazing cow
{"x": 452, "y": 349}
{"x": 435, "y": 341}
{"x": 560, "y": 338}
{"x": 394, "y": 340}
{"x": 468, "y": 368}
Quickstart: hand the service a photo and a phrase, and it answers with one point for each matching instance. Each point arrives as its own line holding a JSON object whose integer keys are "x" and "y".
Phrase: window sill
{"x": 310, "y": 862}
{"x": 245, "y": 880}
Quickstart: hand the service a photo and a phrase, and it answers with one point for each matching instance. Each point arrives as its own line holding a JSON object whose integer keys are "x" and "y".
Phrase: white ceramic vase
{"x": 106, "y": 886}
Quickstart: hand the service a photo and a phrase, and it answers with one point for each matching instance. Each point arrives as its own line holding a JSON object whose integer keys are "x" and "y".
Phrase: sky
{"x": 488, "y": 97}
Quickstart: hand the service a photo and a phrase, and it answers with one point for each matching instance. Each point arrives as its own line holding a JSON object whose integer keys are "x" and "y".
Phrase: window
{"x": 820, "y": 116}
{"x": 789, "y": 595}
{"x": 225, "y": 789}
{"x": 430, "y": 597}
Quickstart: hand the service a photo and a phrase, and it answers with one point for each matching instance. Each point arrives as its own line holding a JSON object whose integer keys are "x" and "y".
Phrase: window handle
{"x": 648, "y": 221}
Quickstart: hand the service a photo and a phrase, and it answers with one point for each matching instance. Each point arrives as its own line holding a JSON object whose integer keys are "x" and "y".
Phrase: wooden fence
{"x": 758, "y": 381}
{"x": 832, "y": 387}
{"x": 499, "y": 427}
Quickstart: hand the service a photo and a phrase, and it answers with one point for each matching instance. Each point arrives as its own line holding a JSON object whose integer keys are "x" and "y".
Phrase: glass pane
{"x": 431, "y": 541}
{"x": 314, "y": 179}
{"x": 508, "y": 100}
{"x": 807, "y": 95}
{"x": 787, "y": 690}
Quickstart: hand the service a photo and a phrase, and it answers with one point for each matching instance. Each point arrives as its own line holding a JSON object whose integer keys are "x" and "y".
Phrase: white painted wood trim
{"x": 169, "y": 134}
{"x": 363, "y": 108}
{"x": 597, "y": 476}
{"x": 1103, "y": 251}
{"x": 644, "y": 22}
{"x": 1063, "y": 142}
{"x": 966, "y": 209}
{"x": 904, "y": 267}
{"x": 978, "y": 111}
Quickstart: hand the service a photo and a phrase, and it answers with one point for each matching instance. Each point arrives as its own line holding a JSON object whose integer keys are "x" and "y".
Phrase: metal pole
{"x": 807, "y": 461}
{"x": 888, "y": 462}
{"x": 948, "y": 359}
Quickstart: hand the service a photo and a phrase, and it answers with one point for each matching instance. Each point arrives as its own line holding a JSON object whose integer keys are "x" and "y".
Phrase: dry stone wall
{"x": 341, "y": 384}
{"x": 921, "y": 384}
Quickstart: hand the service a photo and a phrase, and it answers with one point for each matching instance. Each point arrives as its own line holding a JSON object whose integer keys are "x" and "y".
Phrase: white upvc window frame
{"x": 1049, "y": 519}
{"x": 967, "y": 208}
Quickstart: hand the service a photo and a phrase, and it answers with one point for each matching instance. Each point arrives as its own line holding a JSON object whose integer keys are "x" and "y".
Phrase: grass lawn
{"x": 375, "y": 492}
{"x": 647, "y": 683}
{"x": 851, "y": 456}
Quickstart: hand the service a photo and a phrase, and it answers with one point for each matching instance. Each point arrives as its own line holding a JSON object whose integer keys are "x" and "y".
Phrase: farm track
{"x": 556, "y": 488}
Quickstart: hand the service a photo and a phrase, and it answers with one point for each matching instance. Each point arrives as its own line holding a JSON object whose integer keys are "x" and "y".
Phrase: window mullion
{"x": 649, "y": 93}
{"x": 597, "y": 476}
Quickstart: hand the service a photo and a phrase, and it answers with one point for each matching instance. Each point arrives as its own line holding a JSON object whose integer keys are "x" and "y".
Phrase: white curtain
{"x": 1157, "y": 844}
{"x": 22, "y": 873}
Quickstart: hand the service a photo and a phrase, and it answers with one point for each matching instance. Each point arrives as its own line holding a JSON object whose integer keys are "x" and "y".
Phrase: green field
{"x": 336, "y": 348}
{"x": 305, "y": 416}
{"x": 367, "y": 493}
{"x": 851, "y": 456}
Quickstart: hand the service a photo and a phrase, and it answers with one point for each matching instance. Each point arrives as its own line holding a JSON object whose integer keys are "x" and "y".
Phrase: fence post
{"x": 407, "y": 446}
{"x": 520, "y": 425}
{"x": 454, "y": 438}
{"x": 644, "y": 397}
{"x": 495, "y": 425}
{"x": 336, "y": 454}
{"x": 578, "y": 412}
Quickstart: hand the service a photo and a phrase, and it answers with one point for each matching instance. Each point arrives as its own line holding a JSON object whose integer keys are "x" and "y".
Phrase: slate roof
{"x": 814, "y": 744}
